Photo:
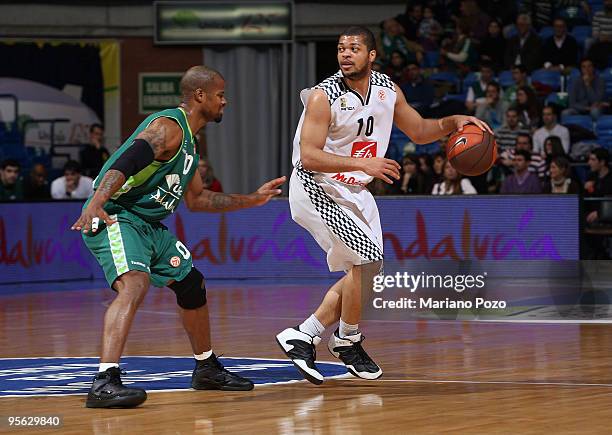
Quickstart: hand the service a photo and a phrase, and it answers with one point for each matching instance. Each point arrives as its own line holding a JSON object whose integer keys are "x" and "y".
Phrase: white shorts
{"x": 343, "y": 219}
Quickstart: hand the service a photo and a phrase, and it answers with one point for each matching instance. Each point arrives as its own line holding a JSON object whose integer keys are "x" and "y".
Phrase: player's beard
{"x": 358, "y": 73}
{"x": 218, "y": 118}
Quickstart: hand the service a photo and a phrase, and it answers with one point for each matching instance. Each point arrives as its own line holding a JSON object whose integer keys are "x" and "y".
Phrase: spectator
{"x": 37, "y": 187}
{"x": 476, "y": 92}
{"x": 392, "y": 39}
{"x": 521, "y": 78}
{"x": 208, "y": 176}
{"x": 493, "y": 108}
{"x": 600, "y": 51}
{"x": 503, "y": 11}
{"x": 550, "y": 128}
{"x": 72, "y": 185}
{"x": 459, "y": 54}
{"x": 475, "y": 18}
{"x": 524, "y": 48}
{"x": 528, "y": 107}
{"x": 598, "y": 184}
{"x": 412, "y": 181}
{"x": 411, "y": 20}
{"x": 540, "y": 10}
{"x": 11, "y": 188}
{"x": 419, "y": 92}
{"x": 94, "y": 154}
{"x": 453, "y": 183}
{"x": 586, "y": 94}
{"x": 493, "y": 46}
{"x": 506, "y": 135}
{"x": 552, "y": 148}
{"x": 559, "y": 180}
{"x": 426, "y": 168}
{"x": 561, "y": 49}
{"x": 537, "y": 164}
{"x": 396, "y": 69}
{"x": 523, "y": 180}
{"x": 430, "y": 30}
{"x": 437, "y": 174}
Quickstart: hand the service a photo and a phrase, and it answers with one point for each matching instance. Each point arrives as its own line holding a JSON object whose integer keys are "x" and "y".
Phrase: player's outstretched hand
{"x": 382, "y": 168}
{"x": 462, "y": 120}
{"x": 267, "y": 191}
{"x": 90, "y": 219}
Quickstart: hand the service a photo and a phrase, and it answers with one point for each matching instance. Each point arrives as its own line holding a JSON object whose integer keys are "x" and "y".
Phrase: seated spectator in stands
{"x": 503, "y": 11}
{"x": 396, "y": 69}
{"x": 586, "y": 94}
{"x": 537, "y": 164}
{"x": 541, "y": 11}
{"x": 528, "y": 107}
{"x": 598, "y": 184}
{"x": 37, "y": 187}
{"x": 560, "y": 180}
{"x": 550, "y": 128}
{"x": 524, "y": 48}
{"x": 523, "y": 180}
{"x": 459, "y": 53}
{"x": 521, "y": 78}
{"x": 419, "y": 92}
{"x": 553, "y": 148}
{"x": 412, "y": 181}
{"x": 430, "y": 30}
{"x": 453, "y": 183}
{"x": 11, "y": 188}
{"x": 94, "y": 154}
{"x": 72, "y": 185}
{"x": 492, "y": 109}
{"x": 475, "y": 18}
{"x": 494, "y": 178}
{"x": 410, "y": 20}
{"x": 493, "y": 46}
{"x": 437, "y": 173}
{"x": 601, "y": 49}
{"x": 476, "y": 92}
{"x": 208, "y": 176}
{"x": 392, "y": 39}
{"x": 561, "y": 49}
{"x": 506, "y": 135}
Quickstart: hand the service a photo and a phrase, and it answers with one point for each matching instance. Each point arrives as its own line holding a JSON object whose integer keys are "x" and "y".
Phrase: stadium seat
{"x": 583, "y": 121}
{"x": 549, "y": 78}
{"x": 604, "y": 130}
{"x": 456, "y": 97}
{"x": 446, "y": 77}
{"x": 505, "y": 79}
{"x": 431, "y": 59}
{"x": 545, "y": 32}
{"x": 607, "y": 76}
{"x": 469, "y": 80}
{"x": 581, "y": 33}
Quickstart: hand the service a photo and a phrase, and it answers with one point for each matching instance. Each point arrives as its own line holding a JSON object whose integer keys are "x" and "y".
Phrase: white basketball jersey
{"x": 358, "y": 128}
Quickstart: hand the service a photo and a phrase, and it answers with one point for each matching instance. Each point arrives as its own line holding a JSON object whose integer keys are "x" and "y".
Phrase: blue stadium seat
{"x": 446, "y": 77}
{"x": 505, "y": 79}
{"x": 455, "y": 97}
{"x": 607, "y": 76}
{"x": 604, "y": 130}
{"x": 548, "y": 78}
{"x": 431, "y": 59}
{"x": 579, "y": 120}
{"x": 469, "y": 80}
{"x": 545, "y": 32}
{"x": 581, "y": 33}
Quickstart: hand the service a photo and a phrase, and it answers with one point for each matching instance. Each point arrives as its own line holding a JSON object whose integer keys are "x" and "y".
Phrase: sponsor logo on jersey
{"x": 47, "y": 376}
{"x": 381, "y": 94}
{"x": 175, "y": 261}
{"x": 169, "y": 198}
{"x": 364, "y": 150}
{"x": 344, "y": 104}
{"x": 347, "y": 180}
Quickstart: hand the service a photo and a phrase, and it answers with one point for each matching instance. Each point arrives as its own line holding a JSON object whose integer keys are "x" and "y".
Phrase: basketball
{"x": 471, "y": 151}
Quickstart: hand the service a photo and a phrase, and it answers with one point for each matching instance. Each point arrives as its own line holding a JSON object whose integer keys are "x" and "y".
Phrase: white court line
{"x": 528, "y": 383}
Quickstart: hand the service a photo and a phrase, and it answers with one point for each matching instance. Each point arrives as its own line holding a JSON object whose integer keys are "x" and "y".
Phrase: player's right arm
{"x": 312, "y": 140}
{"x": 159, "y": 141}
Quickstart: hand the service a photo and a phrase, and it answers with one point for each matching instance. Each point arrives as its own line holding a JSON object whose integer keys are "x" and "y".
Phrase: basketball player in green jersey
{"x": 141, "y": 184}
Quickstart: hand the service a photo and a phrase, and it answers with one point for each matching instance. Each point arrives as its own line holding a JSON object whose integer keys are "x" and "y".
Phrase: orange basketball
{"x": 471, "y": 151}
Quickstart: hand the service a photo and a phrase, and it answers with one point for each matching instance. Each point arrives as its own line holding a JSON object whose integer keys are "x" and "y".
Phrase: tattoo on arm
{"x": 218, "y": 202}
{"x": 112, "y": 181}
{"x": 155, "y": 135}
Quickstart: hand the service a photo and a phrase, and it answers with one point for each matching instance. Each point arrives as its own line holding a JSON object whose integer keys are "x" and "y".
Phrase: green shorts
{"x": 134, "y": 244}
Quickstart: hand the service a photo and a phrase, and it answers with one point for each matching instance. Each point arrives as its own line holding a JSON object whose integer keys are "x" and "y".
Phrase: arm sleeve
{"x": 135, "y": 158}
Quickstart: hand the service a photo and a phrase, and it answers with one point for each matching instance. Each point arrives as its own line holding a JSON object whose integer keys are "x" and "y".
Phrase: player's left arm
{"x": 199, "y": 199}
{"x": 423, "y": 131}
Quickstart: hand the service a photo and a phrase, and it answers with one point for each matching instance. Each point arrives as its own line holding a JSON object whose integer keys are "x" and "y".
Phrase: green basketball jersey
{"x": 156, "y": 191}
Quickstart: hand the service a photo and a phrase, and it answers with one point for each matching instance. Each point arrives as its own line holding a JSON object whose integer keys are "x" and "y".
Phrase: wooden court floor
{"x": 440, "y": 377}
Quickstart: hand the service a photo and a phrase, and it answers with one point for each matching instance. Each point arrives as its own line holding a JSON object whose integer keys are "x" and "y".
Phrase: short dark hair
{"x": 528, "y": 136}
{"x": 72, "y": 166}
{"x": 512, "y": 109}
{"x": 364, "y": 32}
{"x": 495, "y": 85}
{"x": 523, "y": 153}
{"x": 10, "y": 162}
{"x": 586, "y": 59}
{"x": 95, "y": 125}
{"x": 601, "y": 154}
{"x": 485, "y": 64}
{"x": 520, "y": 67}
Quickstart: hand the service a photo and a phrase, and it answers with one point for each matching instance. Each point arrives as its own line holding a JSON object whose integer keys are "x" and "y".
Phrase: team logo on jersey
{"x": 344, "y": 104}
{"x": 172, "y": 179}
{"x": 175, "y": 261}
{"x": 48, "y": 376}
{"x": 364, "y": 150}
{"x": 381, "y": 94}
{"x": 170, "y": 196}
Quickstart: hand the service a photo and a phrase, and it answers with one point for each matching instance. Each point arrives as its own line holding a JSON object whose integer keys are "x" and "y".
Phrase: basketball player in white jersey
{"x": 338, "y": 149}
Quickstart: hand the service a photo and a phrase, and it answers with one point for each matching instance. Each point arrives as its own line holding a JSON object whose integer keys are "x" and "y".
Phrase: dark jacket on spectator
{"x": 494, "y": 49}
{"x": 92, "y": 160}
{"x": 530, "y": 52}
{"x": 419, "y": 94}
{"x": 566, "y": 55}
{"x": 582, "y": 96}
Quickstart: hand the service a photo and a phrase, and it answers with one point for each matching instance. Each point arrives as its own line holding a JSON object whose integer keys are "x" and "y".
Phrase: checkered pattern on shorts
{"x": 337, "y": 220}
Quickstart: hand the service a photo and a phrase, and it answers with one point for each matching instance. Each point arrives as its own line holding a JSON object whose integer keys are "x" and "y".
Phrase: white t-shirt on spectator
{"x": 83, "y": 190}
{"x": 540, "y": 135}
{"x": 467, "y": 188}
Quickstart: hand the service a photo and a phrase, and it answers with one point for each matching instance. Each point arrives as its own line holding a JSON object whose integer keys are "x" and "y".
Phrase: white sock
{"x": 312, "y": 326}
{"x": 347, "y": 329}
{"x": 105, "y": 366}
{"x": 203, "y": 355}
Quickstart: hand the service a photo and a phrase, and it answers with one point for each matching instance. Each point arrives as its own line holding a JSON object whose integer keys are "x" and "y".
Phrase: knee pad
{"x": 191, "y": 291}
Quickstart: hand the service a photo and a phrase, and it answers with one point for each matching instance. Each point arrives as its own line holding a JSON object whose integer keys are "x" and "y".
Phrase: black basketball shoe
{"x": 107, "y": 391}
{"x": 300, "y": 348}
{"x": 354, "y": 357}
{"x": 209, "y": 374}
